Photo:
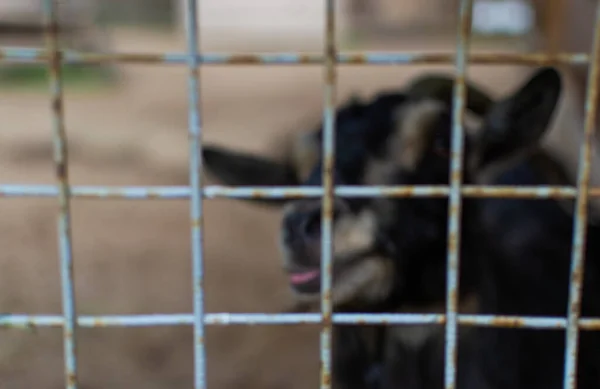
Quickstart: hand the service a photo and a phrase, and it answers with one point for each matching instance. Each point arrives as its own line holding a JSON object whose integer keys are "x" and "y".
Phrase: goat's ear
{"x": 242, "y": 169}
{"x": 517, "y": 124}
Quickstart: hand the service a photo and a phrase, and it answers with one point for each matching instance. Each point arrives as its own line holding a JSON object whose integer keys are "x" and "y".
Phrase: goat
{"x": 364, "y": 274}
{"x": 390, "y": 254}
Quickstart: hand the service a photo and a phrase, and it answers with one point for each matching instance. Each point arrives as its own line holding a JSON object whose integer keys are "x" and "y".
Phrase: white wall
{"x": 264, "y": 24}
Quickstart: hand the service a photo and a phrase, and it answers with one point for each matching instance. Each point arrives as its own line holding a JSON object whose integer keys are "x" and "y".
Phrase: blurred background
{"x": 127, "y": 125}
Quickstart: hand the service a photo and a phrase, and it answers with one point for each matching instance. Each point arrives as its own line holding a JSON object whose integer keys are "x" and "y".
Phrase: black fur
{"x": 514, "y": 253}
{"x": 524, "y": 263}
{"x": 532, "y": 279}
{"x": 362, "y": 131}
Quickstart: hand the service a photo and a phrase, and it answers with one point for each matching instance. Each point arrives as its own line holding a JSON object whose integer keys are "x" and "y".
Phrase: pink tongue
{"x": 300, "y": 278}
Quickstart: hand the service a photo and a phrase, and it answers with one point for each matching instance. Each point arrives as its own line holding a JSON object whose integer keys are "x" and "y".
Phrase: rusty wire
{"x": 330, "y": 58}
{"x": 455, "y": 197}
{"x": 581, "y": 217}
{"x": 61, "y": 161}
{"x": 196, "y": 203}
{"x": 28, "y": 55}
{"x": 329, "y": 139}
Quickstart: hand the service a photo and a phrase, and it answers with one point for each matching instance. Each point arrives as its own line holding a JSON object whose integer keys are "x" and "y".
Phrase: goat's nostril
{"x": 312, "y": 224}
{"x": 303, "y": 225}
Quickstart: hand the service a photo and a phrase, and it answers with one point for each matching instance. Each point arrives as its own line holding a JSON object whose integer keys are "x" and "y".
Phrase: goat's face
{"x": 382, "y": 245}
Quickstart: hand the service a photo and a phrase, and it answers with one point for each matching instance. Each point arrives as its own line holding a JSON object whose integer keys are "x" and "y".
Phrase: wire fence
{"x": 196, "y": 192}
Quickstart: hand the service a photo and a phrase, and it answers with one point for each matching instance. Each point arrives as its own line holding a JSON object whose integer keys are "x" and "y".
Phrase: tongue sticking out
{"x": 301, "y": 278}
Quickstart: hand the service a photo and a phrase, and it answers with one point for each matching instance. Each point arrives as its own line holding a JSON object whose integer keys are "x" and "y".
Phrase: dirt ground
{"x": 134, "y": 257}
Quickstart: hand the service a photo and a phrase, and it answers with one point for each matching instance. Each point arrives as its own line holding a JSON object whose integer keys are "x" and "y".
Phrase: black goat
{"x": 390, "y": 254}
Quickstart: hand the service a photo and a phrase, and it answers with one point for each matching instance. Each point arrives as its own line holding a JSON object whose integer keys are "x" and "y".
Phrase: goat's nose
{"x": 311, "y": 223}
{"x": 304, "y": 223}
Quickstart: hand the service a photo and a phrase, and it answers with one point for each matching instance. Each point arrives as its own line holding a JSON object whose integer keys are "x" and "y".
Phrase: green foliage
{"x": 36, "y": 76}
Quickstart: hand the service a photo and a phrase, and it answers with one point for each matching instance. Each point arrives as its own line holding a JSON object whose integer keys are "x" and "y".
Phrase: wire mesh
{"x": 62, "y": 175}
{"x": 328, "y": 186}
{"x": 581, "y": 207}
{"x": 455, "y": 198}
{"x": 69, "y": 320}
{"x": 195, "y": 169}
{"x": 28, "y": 55}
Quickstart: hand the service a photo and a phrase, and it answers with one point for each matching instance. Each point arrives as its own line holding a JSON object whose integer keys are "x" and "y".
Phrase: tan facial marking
{"x": 354, "y": 233}
{"x": 304, "y": 154}
{"x": 414, "y": 126}
{"x": 369, "y": 280}
{"x": 407, "y": 144}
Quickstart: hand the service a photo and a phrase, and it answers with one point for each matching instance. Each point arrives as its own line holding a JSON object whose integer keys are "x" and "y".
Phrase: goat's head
{"x": 382, "y": 245}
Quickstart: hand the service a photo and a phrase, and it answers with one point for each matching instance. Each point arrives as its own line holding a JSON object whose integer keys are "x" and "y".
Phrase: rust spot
{"x": 152, "y": 195}
{"x": 195, "y": 223}
{"x": 456, "y": 175}
{"x": 307, "y": 59}
{"x": 351, "y": 59}
{"x": 200, "y": 340}
{"x": 452, "y": 242}
{"x": 328, "y": 213}
{"x": 453, "y": 299}
{"x": 330, "y": 75}
{"x": 98, "y": 323}
{"x": 135, "y": 58}
{"x": 507, "y": 322}
{"x": 292, "y": 195}
{"x": 257, "y": 194}
{"x": 576, "y": 279}
{"x": 330, "y": 49}
{"x": 325, "y": 375}
{"x": 31, "y": 327}
{"x": 52, "y": 27}
{"x": 57, "y": 105}
{"x": 592, "y": 325}
{"x": 475, "y": 192}
{"x": 437, "y": 58}
{"x": 61, "y": 171}
{"x": 356, "y": 59}
{"x": 326, "y": 379}
{"x": 71, "y": 379}
{"x": 577, "y": 276}
{"x": 244, "y": 59}
{"x": 327, "y": 318}
{"x": 553, "y": 193}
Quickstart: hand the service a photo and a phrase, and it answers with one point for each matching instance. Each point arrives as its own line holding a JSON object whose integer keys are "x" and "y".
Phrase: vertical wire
{"x": 581, "y": 217}
{"x": 60, "y": 145}
{"x": 455, "y": 197}
{"x": 195, "y": 176}
{"x": 328, "y": 191}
